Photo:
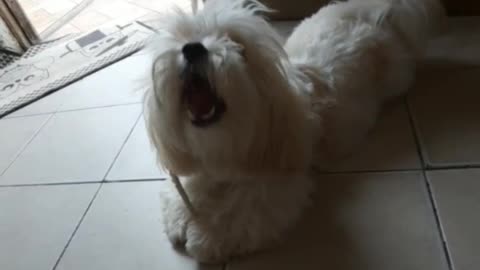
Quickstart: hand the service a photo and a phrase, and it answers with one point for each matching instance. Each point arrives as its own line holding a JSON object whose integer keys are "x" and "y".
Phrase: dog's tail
{"x": 415, "y": 20}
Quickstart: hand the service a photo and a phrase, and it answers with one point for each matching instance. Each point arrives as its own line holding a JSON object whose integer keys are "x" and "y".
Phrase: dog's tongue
{"x": 200, "y": 99}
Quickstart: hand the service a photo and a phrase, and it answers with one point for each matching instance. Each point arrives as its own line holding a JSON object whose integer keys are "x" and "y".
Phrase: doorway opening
{"x": 44, "y": 20}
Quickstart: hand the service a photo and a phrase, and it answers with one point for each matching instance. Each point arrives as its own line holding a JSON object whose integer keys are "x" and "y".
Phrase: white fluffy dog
{"x": 242, "y": 119}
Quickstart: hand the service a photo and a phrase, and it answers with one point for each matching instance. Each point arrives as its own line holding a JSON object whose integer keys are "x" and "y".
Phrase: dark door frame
{"x": 16, "y": 20}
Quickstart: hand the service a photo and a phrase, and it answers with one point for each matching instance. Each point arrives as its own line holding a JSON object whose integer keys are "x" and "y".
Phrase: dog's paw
{"x": 185, "y": 235}
{"x": 176, "y": 235}
{"x": 201, "y": 246}
{"x": 205, "y": 253}
{"x": 192, "y": 235}
{"x": 175, "y": 221}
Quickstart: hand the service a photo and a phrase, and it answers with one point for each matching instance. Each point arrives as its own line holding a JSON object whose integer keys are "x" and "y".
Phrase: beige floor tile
{"x": 361, "y": 221}
{"x": 65, "y": 30}
{"x": 390, "y": 145}
{"x": 137, "y": 160}
{"x": 48, "y": 104}
{"x": 120, "y": 9}
{"x": 163, "y": 6}
{"x": 457, "y": 194}
{"x": 100, "y": 12}
{"x": 457, "y": 46}
{"x": 120, "y": 83}
{"x": 29, "y": 6}
{"x": 41, "y": 19}
{"x": 57, "y": 8}
{"x": 151, "y": 16}
{"x": 123, "y": 231}
{"x": 151, "y": 19}
{"x": 89, "y": 20}
{"x": 14, "y": 136}
{"x": 37, "y": 222}
{"x": 74, "y": 147}
{"x": 120, "y": 21}
{"x": 445, "y": 108}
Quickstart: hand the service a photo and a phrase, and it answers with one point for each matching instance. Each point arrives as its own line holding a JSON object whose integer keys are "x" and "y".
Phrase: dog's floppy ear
{"x": 281, "y": 145}
{"x": 283, "y": 133}
{"x": 168, "y": 155}
{"x": 174, "y": 160}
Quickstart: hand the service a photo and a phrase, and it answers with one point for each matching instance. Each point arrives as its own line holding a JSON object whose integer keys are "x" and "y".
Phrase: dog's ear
{"x": 161, "y": 135}
{"x": 282, "y": 145}
{"x": 175, "y": 161}
{"x": 283, "y": 136}
{"x": 168, "y": 156}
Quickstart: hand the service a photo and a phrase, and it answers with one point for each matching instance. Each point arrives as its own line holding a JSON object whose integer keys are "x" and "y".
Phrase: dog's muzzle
{"x": 204, "y": 106}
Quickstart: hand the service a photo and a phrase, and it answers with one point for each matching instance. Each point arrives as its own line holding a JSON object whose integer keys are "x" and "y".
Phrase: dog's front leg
{"x": 196, "y": 235}
{"x": 175, "y": 218}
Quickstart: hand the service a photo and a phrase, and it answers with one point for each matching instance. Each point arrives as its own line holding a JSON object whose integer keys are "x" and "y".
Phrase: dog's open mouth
{"x": 204, "y": 106}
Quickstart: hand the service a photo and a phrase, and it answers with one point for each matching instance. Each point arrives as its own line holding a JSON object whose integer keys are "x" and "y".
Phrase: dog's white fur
{"x": 289, "y": 108}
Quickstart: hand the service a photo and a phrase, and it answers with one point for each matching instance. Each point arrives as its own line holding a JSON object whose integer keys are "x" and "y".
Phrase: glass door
{"x": 38, "y": 20}
{"x": 8, "y": 42}
{"x": 16, "y": 33}
{"x": 34, "y": 21}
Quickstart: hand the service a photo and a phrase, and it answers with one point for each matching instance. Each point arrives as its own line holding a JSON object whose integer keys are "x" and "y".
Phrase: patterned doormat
{"x": 49, "y": 67}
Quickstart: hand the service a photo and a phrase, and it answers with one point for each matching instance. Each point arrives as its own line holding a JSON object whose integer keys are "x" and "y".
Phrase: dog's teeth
{"x": 209, "y": 114}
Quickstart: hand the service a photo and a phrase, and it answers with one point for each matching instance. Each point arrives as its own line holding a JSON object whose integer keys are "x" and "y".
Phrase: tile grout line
{"x": 431, "y": 198}
{"x": 129, "y": 135}
{"x": 51, "y": 184}
{"x": 163, "y": 178}
{"x": 101, "y": 107}
{"x": 53, "y": 114}
{"x": 367, "y": 171}
{"x": 78, "y": 109}
{"x": 86, "y": 182}
{"x": 136, "y": 180}
{"x": 441, "y": 231}
{"x": 8, "y": 116}
{"x": 453, "y": 167}
{"x": 414, "y": 130}
{"x": 416, "y": 137}
{"x": 29, "y": 141}
{"x": 148, "y": 9}
{"x": 60, "y": 257}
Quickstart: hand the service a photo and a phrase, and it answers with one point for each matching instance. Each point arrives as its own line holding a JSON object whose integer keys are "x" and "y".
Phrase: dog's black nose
{"x": 194, "y": 51}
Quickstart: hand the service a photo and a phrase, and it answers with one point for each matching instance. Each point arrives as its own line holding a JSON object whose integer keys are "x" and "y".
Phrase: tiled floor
{"x": 43, "y": 13}
{"x": 79, "y": 186}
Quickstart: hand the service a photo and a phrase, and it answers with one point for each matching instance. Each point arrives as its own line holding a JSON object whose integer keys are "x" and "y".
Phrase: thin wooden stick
{"x": 182, "y": 193}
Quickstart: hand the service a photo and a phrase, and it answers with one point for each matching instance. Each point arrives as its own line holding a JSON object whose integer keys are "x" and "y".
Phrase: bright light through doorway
{"x": 46, "y": 14}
